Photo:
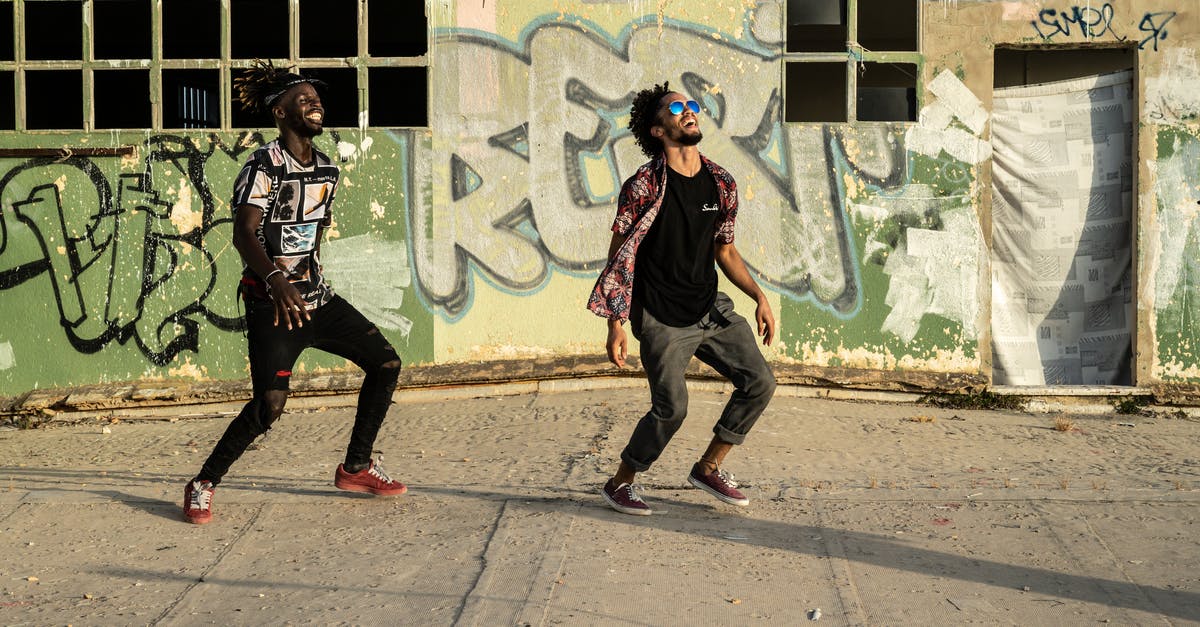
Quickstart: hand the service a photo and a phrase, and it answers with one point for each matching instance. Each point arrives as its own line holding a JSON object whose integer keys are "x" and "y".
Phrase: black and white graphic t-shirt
{"x": 676, "y": 276}
{"x": 295, "y": 200}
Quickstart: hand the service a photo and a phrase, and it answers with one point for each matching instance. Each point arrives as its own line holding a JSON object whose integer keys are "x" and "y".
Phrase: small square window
{"x": 887, "y": 92}
{"x": 7, "y": 48}
{"x": 259, "y": 29}
{"x": 340, "y": 98}
{"x": 328, "y": 28}
{"x": 816, "y": 25}
{"x": 53, "y": 99}
{"x": 398, "y": 96}
{"x": 396, "y": 29}
{"x": 122, "y": 98}
{"x": 887, "y": 25}
{"x": 191, "y": 29}
{"x": 8, "y": 105}
{"x": 816, "y": 92}
{"x": 122, "y": 29}
{"x": 191, "y": 99}
{"x": 52, "y": 31}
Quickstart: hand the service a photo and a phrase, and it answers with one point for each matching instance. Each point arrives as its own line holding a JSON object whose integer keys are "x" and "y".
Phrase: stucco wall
{"x": 478, "y": 239}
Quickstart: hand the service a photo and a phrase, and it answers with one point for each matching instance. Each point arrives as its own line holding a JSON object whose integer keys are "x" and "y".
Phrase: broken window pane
{"x": 396, "y": 29}
{"x": 887, "y": 92}
{"x": 7, "y": 48}
{"x": 121, "y": 98}
{"x": 887, "y": 25}
{"x": 816, "y": 25}
{"x": 259, "y": 29}
{"x": 329, "y": 28}
{"x": 397, "y": 96}
{"x": 191, "y": 29}
{"x": 53, "y": 99}
{"x": 8, "y": 108}
{"x": 191, "y": 99}
{"x": 122, "y": 29}
{"x": 45, "y": 37}
{"x": 816, "y": 92}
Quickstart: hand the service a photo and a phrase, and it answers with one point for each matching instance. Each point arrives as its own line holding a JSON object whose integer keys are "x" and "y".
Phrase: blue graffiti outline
{"x": 520, "y": 49}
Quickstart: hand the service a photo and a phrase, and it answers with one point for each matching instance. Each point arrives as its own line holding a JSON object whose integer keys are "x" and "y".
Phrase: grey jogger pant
{"x": 722, "y": 339}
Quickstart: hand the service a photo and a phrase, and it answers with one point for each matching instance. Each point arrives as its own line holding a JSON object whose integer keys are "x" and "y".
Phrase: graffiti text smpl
{"x": 1088, "y": 21}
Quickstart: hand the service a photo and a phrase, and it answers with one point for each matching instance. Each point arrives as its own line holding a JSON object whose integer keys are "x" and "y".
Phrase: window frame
{"x": 225, "y": 65}
{"x": 854, "y": 56}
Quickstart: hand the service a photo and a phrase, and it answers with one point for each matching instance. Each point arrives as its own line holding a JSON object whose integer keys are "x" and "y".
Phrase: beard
{"x": 687, "y": 139}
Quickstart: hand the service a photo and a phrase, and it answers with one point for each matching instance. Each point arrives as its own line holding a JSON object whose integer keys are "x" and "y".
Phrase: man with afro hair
{"x": 282, "y": 201}
{"x": 675, "y": 217}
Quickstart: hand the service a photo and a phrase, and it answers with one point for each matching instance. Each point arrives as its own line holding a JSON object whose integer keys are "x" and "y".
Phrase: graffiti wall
{"x": 478, "y": 238}
{"x": 850, "y": 227}
{"x": 118, "y": 266}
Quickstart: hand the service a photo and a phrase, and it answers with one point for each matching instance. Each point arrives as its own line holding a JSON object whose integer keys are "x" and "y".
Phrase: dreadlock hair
{"x": 263, "y": 84}
{"x": 643, "y": 115}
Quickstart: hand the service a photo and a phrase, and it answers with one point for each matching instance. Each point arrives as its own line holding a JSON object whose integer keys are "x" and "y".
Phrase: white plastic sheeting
{"x": 1062, "y": 289}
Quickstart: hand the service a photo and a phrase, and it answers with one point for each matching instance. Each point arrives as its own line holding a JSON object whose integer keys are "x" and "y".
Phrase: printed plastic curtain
{"x": 1062, "y": 289}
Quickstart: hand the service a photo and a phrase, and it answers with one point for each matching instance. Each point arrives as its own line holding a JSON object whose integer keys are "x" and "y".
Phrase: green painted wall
{"x": 120, "y": 268}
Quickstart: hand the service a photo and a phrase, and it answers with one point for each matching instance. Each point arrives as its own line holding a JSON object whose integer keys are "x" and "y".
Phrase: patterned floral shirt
{"x": 637, "y": 207}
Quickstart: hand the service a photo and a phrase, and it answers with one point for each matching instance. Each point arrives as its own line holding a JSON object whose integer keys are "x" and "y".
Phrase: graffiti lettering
{"x": 136, "y": 267}
{"x": 1156, "y": 25}
{"x": 1090, "y": 22}
{"x": 527, "y": 190}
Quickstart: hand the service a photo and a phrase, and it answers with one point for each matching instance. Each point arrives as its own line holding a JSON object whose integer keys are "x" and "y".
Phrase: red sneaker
{"x": 624, "y": 499}
{"x": 197, "y": 502}
{"x": 370, "y": 479}
{"x": 719, "y": 484}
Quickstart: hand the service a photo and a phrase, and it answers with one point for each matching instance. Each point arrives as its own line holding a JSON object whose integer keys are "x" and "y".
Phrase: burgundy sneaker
{"x": 197, "y": 502}
{"x": 370, "y": 479}
{"x": 719, "y": 484}
{"x": 623, "y": 499}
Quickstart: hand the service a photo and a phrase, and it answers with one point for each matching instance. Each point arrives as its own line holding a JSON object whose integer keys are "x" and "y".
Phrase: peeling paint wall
{"x": 478, "y": 238}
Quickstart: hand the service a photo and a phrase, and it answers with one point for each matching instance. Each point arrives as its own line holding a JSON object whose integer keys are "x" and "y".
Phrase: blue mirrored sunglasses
{"x": 677, "y": 107}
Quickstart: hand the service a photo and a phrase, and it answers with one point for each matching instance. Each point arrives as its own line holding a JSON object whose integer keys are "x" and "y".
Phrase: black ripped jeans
{"x": 336, "y": 327}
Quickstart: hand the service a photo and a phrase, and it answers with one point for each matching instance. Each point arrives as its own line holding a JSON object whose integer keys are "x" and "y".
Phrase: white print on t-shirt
{"x": 287, "y": 203}
{"x": 316, "y": 199}
{"x": 297, "y": 238}
{"x": 712, "y": 207}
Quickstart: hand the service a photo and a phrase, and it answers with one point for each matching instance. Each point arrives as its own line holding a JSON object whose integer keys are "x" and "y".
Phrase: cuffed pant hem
{"x": 727, "y": 436}
{"x": 633, "y": 463}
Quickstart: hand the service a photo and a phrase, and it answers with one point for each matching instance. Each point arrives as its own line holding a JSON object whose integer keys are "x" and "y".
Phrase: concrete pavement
{"x": 872, "y": 513}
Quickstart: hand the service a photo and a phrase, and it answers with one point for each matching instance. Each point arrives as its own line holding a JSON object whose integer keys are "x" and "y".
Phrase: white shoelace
{"x": 727, "y": 477}
{"x": 633, "y": 496}
{"x": 377, "y": 471}
{"x": 201, "y": 495}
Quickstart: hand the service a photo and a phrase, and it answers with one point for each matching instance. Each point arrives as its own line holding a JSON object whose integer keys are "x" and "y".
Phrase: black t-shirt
{"x": 675, "y": 277}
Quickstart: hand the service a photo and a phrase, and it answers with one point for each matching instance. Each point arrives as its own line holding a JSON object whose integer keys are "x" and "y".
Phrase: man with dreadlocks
{"x": 281, "y": 201}
{"x": 675, "y": 216}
